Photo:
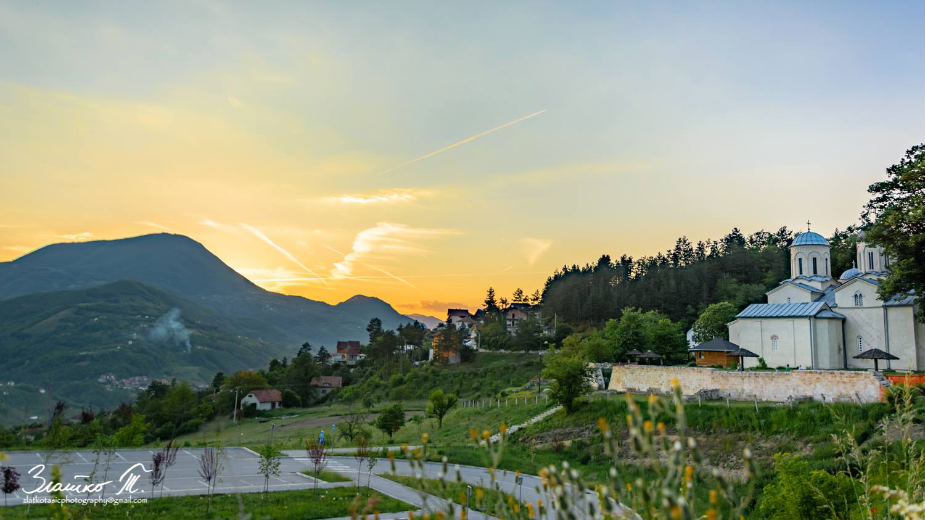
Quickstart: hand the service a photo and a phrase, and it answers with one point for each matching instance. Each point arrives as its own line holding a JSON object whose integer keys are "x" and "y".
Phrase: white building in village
{"x": 817, "y": 321}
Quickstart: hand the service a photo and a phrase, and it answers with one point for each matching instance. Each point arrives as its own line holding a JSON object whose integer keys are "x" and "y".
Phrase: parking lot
{"x": 128, "y": 474}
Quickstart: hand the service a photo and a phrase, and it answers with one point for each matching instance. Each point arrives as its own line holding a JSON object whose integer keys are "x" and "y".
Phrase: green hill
{"x": 64, "y": 341}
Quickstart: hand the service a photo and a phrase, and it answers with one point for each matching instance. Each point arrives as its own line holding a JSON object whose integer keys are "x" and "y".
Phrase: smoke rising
{"x": 169, "y": 328}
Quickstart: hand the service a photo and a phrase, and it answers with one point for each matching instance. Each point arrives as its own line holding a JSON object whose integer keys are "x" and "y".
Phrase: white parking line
{"x": 121, "y": 457}
{"x": 81, "y": 456}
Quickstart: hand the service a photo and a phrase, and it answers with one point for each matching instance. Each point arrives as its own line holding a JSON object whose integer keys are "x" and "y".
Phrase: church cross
{"x": 807, "y": 224}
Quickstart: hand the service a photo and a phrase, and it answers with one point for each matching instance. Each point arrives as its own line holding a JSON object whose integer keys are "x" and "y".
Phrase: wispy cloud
{"x": 439, "y": 307}
{"x": 464, "y": 141}
{"x": 155, "y": 225}
{"x": 76, "y": 237}
{"x": 259, "y": 234}
{"x": 383, "y": 242}
{"x": 389, "y": 196}
{"x": 533, "y": 248}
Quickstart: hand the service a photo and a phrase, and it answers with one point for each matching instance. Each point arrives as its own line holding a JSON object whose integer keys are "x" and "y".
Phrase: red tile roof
{"x": 348, "y": 347}
{"x": 267, "y": 396}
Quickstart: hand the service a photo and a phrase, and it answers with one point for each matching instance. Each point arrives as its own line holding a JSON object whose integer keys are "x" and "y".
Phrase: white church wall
{"x": 864, "y": 324}
{"x": 844, "y": 295}
{"x": 795, "y": 295}
{"x": 864, "y": 254}
{"x": 920, "y": 343}
{"x": 829, "y": 348}
{"x": 902, "y": 338}
{"x": 807, "y": 253}
{"x": 757, "y": 336}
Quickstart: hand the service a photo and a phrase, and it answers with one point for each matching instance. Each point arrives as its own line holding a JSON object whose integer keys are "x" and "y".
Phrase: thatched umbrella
{"x": 741, "y": 353}
{"x": 650, "y": 355}
{"x": 876, "y": 354}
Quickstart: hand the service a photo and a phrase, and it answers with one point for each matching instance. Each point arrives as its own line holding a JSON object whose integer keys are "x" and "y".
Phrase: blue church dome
{"x": 809, "y": 238}
{"x": 850, "y": 273}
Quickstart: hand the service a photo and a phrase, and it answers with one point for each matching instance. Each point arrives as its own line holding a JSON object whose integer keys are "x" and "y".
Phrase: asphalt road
{"x": 129, "y": 471}
{"x": 128, "y": 477}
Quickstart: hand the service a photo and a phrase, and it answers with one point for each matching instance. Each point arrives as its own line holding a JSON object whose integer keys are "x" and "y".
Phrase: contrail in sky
{"x": 381, "y": 270}
{"x": 464, "y": 141}
{"x": 259, "y": 234}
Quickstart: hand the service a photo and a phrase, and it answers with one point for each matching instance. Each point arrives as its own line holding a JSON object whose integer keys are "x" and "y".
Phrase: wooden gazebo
{"x": 876, "y": 354}
{"x": 741, "y": 354}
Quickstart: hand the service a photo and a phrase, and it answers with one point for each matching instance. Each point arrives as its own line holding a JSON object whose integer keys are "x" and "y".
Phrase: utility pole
{"x": 236, "y": 406}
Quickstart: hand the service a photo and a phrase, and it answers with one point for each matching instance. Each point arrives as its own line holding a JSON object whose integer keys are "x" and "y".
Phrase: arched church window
{"x": 858, "y": 299}
{"x": 860, "y": 344}
{"x": 815, "y": 268}
{"x": 827, "y": 266}
{"x": 774, "y": 343}
{"x": 870, "y": 260}
{"x": 799, "y": 266}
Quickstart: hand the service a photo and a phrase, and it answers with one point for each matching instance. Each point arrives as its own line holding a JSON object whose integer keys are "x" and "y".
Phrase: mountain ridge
{"x": 156, "y": 306}
{"x": 183, "y": 266}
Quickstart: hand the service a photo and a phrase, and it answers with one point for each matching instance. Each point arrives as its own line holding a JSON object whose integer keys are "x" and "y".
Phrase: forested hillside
{"x": 683, "y": 280}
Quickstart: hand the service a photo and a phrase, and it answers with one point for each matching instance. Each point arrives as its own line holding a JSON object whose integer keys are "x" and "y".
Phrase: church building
{"x": 814, "y": 320}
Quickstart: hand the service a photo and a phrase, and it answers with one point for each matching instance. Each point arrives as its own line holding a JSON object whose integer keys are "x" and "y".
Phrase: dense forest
{"x": 683, "y": 280}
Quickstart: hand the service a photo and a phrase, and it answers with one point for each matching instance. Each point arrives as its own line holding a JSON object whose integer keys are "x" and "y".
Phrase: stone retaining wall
{"x": 819, "y": 385}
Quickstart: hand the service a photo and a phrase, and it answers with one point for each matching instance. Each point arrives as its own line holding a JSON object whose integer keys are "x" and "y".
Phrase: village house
{"x": 348, "y": 352}
{"x": 516, "y": 314}
{"x": 326, "y": 384}
{"x": 269, "y": 399}
{"x": 459, "y": 317}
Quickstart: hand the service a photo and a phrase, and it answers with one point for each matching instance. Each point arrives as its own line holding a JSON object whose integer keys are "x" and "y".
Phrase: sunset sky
{"x": 422, "y": 151}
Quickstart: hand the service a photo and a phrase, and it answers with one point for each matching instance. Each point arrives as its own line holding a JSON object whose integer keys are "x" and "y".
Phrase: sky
{"x": 421, "y": 152}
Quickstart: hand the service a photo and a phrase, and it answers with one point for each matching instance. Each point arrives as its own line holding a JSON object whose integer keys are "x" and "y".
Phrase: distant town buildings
{"x": 129, "y": 383}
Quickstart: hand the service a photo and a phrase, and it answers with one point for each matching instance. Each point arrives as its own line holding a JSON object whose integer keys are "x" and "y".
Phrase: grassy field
{"x": 284, "y": 505}
{"x": 490, "y": 374}
{"x": 295, "y": 427}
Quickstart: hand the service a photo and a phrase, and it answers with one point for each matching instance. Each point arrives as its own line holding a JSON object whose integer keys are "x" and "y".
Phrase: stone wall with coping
{"x": 819, "y": 385}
